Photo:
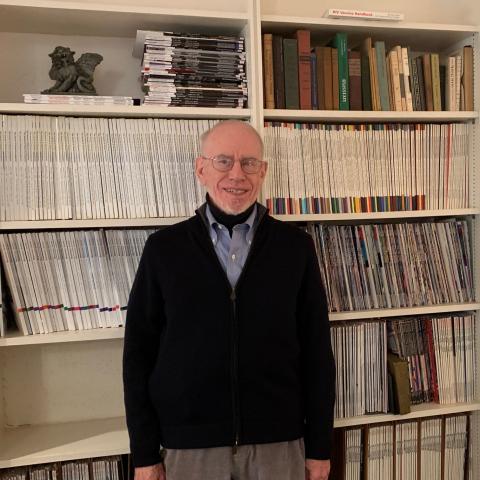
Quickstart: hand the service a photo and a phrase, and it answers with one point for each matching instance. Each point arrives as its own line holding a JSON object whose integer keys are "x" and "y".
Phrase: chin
{"x": 235, "y": 209}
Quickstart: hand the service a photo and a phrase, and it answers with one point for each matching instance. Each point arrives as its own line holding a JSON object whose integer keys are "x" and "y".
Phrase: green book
{"x": 340, "y": 43}
{"x": 382, "y": 75}
{"x": 290, "y": 63}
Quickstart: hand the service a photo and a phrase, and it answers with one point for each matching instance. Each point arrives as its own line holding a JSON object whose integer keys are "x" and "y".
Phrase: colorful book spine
{"x": 340, "y": 43}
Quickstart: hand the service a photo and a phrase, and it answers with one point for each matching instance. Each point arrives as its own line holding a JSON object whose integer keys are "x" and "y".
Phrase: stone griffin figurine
{"x": 72, "y": 77}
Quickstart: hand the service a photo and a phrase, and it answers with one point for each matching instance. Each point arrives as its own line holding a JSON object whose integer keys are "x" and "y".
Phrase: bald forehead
{"x": 228, "y": 131}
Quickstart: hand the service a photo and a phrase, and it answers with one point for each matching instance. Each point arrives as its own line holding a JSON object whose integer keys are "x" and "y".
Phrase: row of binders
{"x": 70, "y": 280}
{"x": 437, "y": 367}
{"x": 394, "y": 265}
{"x": 430, "y": 448}
{"x": 363, "y": 76}
{"x": 94, "y": 168}
{"x": 104, "y": 468}
{"x": 338, "y": 168}
{"x": 440, "y": 355}
{"x": 193, "y": 70}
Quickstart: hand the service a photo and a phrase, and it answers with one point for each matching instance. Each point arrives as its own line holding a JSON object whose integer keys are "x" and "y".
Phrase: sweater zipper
{"x": 235, "y": 393}
{"x": 233, "y": 299}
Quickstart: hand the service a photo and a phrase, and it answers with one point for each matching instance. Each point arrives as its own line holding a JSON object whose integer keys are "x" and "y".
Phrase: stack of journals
{"x": 194, "y": 70}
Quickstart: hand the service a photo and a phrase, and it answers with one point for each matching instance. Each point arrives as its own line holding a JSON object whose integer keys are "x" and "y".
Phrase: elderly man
{"x": 227, "y": 358}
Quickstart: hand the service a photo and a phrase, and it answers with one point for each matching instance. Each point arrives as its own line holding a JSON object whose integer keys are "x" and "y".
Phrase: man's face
{"x": 233, "y": 191}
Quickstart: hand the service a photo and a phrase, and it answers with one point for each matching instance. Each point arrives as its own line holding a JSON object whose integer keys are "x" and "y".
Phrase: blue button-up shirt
{"x": 232, "y": 251}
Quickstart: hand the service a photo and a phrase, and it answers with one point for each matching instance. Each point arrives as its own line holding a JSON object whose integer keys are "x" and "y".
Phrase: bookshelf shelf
{"x": 107, "y": 20}
{"x": 356, "y": 217}
{"x": 81, "y": 224}
{"x": 418, "y": 411}
{"x": 144, "y": 111}
{"x": 367, "y": 116}
{"x": 397, "y": 312}
{"x": 17, "y": 339}
{"x": 163, "y": 221}
{"x": 29, "y": 445}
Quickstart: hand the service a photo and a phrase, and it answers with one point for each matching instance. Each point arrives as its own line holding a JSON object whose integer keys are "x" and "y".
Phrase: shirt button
{"x": 233, "y": 257}
{"x": 220, "y": 227}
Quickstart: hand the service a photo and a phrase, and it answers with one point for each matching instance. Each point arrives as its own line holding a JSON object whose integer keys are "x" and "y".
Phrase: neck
{"x": 227, "y": 220}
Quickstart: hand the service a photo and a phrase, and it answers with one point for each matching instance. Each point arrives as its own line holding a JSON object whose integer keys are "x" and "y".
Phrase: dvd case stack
{"x": 194, "y": 70}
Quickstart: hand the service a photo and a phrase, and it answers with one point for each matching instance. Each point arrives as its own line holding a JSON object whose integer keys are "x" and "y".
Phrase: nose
{"x": 236, "y": 173}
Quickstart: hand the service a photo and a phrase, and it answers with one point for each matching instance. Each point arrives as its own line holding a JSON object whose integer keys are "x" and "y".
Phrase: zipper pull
{"x": 235, "y": 446}
{"x": 233, "y": 295}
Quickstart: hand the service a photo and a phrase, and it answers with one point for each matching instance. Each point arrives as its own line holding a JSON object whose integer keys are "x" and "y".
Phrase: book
{"x": 383, "y": 85}
{"x": 290, "y": 68}
{"x": 340, "y": 43}
{"x": 398, "y": 369}
{"x": 304, "y": 74}
{"x": 427, "y": 77}
{"x": 322, "y": 77}
{"x": 365, "y": 71}
{"x": 467, "y": 78}
{"x": 278, "y": 72}
{"x": 435, "y": 66}
{"x": 355, "y": 80}
{"x": 268, "y": 76}
{"x": 335, "y": 81}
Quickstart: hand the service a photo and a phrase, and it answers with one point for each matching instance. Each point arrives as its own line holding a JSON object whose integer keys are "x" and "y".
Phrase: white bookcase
{"x": 61, "y": 394}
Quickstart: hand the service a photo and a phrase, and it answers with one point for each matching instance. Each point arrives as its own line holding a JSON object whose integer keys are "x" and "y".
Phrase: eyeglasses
{"x": 224, "y": 163}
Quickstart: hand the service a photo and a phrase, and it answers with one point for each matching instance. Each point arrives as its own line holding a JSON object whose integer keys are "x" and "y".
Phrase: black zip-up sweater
{"x": 205, "y": 365}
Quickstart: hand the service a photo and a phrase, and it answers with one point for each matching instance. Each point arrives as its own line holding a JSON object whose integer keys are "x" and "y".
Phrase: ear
{"x": 199, "y": 169}
{"x": 263, "y": 170}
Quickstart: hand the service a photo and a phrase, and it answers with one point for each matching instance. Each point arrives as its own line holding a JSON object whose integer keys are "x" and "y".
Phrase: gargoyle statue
{"x": 72, "y": 77}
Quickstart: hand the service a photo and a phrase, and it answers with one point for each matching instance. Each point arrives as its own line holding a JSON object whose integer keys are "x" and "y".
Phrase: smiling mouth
{"x": 236, "y": 191}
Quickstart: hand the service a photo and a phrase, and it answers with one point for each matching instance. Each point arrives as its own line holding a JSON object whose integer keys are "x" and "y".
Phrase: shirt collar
{"x": 250, "y": 221}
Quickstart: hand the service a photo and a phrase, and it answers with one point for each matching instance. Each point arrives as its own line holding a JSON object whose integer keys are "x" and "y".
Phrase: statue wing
{"x": 87, "y": 63}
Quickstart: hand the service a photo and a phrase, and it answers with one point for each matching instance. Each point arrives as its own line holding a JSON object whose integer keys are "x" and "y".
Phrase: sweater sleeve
{"x": 145, "y": 319}
{"x": 317, "y": 361}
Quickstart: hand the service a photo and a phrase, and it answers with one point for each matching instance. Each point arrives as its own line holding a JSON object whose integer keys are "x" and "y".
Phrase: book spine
{"x": 304, "y": 75}
{"x": 467, "y": 77}
{"x": 278, "y": 73}
{"x": 421, "y": 83}
{"x": 406, "y": 76}
{"x": 340, "y": 43}
{"x": 290, "y": 67}
{"x": 435, "y": 65}
{"x": 321, "y": 76}
{"x": 327, "y": 78}
{"x": 414, "y": 81}
{"x": 355, "y": 80}
{"x": 443, "y": 76}
{"x": 269, "y": 100}
{"x": 366, "y": 90}
{"x": 382, "y": 76}
{"x": 335, "y": 85}
{"x": 313, "y": 82}
{"x": 427, "y": 77}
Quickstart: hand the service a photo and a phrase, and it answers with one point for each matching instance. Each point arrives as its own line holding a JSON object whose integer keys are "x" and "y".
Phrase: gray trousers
{"x": 270, "y": 461}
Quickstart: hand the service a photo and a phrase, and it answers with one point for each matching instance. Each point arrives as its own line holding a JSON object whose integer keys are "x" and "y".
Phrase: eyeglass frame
{"x": 258, "y": 162}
